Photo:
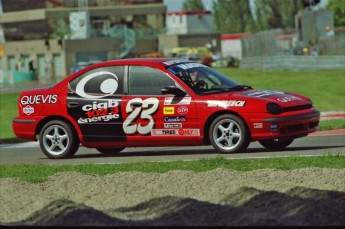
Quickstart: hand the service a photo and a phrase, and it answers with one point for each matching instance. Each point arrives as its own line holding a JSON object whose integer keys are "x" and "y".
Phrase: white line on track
{"x": 21, "y": 145}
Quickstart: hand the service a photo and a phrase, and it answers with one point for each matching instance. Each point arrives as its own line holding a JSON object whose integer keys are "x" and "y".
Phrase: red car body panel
{"x": 158, "y": 121}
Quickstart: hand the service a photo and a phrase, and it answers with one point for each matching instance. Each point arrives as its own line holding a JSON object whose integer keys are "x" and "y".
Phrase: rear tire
{"x": 229, "y": 134}
{"x": 110, "y": 151}
{"x": 58, "y": 139}
{"x": 276, "y": 144}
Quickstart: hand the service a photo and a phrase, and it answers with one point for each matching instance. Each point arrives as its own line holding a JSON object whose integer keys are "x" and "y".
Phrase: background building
{"x": 232, "y": 45}
{"x": 190, "y": 29}
{"x": 53, "y": 37}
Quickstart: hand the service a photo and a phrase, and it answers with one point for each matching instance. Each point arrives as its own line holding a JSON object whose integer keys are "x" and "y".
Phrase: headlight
{"x": 274, "y": 108}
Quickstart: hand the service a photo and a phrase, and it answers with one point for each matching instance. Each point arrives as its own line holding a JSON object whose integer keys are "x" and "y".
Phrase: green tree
{"x": 272, "y": 14}
{"x": 193, "y": 5}
{"x": 233, "y": 16}
{"x": 338, "y": 8}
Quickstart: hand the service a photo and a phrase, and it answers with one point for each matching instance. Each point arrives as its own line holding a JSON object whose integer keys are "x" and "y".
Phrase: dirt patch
{"x": 310, "y": 196}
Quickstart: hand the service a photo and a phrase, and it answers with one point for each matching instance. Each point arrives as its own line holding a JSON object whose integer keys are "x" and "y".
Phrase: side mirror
{"x": 173, "y": 90}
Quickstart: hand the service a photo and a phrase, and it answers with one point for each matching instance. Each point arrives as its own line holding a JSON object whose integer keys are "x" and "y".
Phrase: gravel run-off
{"x": 221, "y": 197}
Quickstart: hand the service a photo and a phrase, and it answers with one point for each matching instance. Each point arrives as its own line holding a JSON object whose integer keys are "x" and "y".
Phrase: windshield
{"x": 204, "y": 80}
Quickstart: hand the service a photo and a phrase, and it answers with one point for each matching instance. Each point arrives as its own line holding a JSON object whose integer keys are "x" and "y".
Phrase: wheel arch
{"x": 210, "y": 119}
{"x": 53, "y": 118}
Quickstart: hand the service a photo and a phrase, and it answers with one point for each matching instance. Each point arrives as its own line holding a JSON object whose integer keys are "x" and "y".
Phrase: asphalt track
{"x": 319, "y": 143}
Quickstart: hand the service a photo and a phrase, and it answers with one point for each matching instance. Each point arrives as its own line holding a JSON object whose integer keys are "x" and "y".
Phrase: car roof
{"x": 139, "y": 61}
{"x": 152, "y": 62}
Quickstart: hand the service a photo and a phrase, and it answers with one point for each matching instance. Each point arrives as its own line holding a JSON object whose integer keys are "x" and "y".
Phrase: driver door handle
{"x": 72, "y": 104}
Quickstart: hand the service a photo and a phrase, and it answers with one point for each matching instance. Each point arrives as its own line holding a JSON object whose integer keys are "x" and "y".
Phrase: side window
{"x": 212, "y": 80}
{"x": 99, "y": 82}
{"x": 147, "y": 81}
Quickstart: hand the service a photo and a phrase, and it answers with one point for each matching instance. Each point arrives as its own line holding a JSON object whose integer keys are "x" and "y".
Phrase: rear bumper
{"x": 25, "y": 127}
{"x": 293, "y": 126}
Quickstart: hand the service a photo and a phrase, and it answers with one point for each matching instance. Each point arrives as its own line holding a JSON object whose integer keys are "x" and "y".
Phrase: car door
{"x": 94, "y": 101}
{"x": 155, "y": 119}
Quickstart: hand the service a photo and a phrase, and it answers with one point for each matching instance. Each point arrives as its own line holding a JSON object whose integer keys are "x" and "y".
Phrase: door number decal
{"x": 143, "y": 109}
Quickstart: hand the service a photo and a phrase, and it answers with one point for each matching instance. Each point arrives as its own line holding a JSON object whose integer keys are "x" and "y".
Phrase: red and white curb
{"x": 328, "y": 132}
{"x": 332, "y": 115}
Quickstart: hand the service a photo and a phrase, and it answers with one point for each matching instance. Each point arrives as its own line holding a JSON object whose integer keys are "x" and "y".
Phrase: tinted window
{"x": 214, "y": 80}
{"x": 147, "y": 81}
{"x": 100, "y": 81}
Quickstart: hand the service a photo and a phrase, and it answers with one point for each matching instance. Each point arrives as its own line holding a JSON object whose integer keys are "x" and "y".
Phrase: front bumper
{"x": 292, "y": 126}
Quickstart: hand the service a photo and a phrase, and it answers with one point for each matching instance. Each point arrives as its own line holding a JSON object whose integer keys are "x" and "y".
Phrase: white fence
{"x": 296, "y": 63}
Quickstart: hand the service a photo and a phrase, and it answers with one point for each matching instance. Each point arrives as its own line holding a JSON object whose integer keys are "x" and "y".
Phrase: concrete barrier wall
{"x": 13, "y": 77}
{"x": 295, "y": 63}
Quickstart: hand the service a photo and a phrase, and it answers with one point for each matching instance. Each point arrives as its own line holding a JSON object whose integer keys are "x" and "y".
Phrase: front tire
{"x": 58, "y": 139}
{"x": 229, "y": 134}
{"x": 276, "y": 144}
{"x": 110, "y": 151}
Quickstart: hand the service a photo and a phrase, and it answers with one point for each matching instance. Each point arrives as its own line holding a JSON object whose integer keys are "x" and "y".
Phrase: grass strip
{"x": 332, "y": 124}
{"x": 41, "y": 172}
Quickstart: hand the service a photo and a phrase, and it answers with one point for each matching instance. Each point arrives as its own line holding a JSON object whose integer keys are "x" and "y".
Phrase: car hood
{"x": 284, "y": 99}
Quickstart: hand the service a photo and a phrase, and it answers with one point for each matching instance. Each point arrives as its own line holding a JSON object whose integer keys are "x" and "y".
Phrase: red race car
{"x": 159, "y": 102}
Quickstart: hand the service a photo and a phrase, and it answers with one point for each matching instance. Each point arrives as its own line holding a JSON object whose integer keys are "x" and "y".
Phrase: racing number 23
{"x": 143, "y": 108}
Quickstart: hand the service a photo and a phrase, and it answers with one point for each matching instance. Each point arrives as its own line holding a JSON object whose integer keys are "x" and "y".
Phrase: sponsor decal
{"x": 225, "y": 103}
{"x": 175, "y": 132}
{"x": 168, "y": 110}
{"x": 190, "y": 65}
{"x": 28, "y": 110}
{"x": 100, "y": 111}
{"x": 175, "y": 101}
{"x": 172, "y": 125}
{"x": 182, "y": 110}
{"x": 288, "y": 99}
{"x": 104, "y": 118}
{"x": 175, "y": 119}
{"x": 171, "y": 62}
{"x": 189, "y": 132}
{"x": 38, "y": 99}
{"x": 263, "y": 94}
{"x": 100, "y": 120}
{"x": 258, "y": 125}
{"x": 148, "y": 108}
{"x": 274, "y": 127}
{"x": 103, "y": 105}
{"x": 108, "y": 86}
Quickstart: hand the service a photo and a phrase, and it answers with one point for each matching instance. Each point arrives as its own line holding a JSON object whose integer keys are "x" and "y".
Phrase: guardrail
{"x": 289, "y": 62}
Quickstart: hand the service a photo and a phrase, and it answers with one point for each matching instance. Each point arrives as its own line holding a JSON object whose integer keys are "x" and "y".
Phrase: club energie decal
{"x": 100, "y": 111}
